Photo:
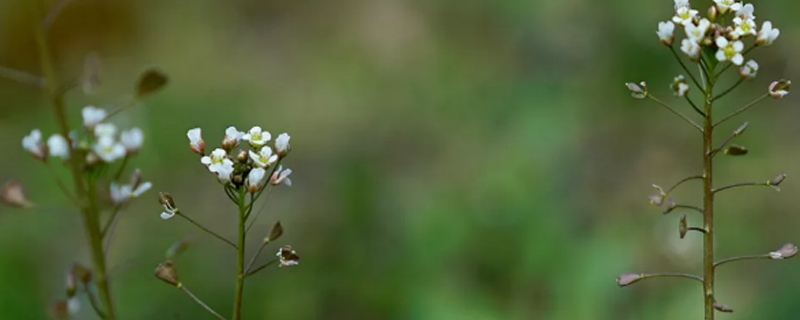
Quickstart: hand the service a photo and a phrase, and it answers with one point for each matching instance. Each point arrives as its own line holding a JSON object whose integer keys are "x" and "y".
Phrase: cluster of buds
{"x": 245, "y": 157}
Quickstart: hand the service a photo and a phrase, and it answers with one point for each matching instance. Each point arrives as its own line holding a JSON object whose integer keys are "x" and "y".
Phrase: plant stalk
{"x": 708, "y": 204}
{"x": 240, "y": 250}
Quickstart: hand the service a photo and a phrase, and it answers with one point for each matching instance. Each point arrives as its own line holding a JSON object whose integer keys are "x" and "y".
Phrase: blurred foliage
{"x": 453, "y": 159}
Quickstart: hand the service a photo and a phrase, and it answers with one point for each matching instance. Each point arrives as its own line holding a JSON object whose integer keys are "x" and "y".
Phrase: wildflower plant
{"x": 97, "y": 155}
{"x": 713, "y": 45}
{"x": 248, "y": 167}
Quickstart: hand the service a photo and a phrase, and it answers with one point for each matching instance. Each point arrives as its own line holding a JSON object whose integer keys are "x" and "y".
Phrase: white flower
{"x": 73, "y": 305}
{"x": 264, "y": 158}
{"x": 638, "y": 91}
{"x": 679, "y": 86}
{"x": 775, "y": 255}
{"x": 665, "y": 34}
{"x": 767, "y": 35}
{"x": 749, "y": 70}
{"x": 681, "y": 4}
{"x": 288, "y": 257}
{"x": 232, "y": 138}
{"x": 730, "y": 50}
{"x": 33, "y": 144}
{"x": 255, "y": 179}
{"x": 58, "y": 147}
{"x": 169, "y": 205}
{"x": 724, "y": 5}
{"x": 744, "y": 27}
{"x": 108, "y": 150}
{"x": 256, "y": 137}
{"x": 684, "y": 14}
{"x": 219, "y": 163}
{"x": 282, "y": 144}
{"x": 105, "y": 130}
{"x": 691, "y": 48}
{"x": 121, "y": 193}
{"x": 196, "y": 141}
{"x": 779, "y": 89}
{"x": 746, "y": 11}
{"x": 132, "y": 139}
{"x": 281, "y": 176}
{"x": 697, "y": 32}
{"x": 92, "y": 116}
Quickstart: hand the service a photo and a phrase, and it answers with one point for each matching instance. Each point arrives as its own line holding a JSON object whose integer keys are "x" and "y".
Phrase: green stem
{"x": 200, "y": 302}
{"x": 723, "y": 93}
{"x": 22, "y": 77}
{"x": 93, "y": 303}
{"x": 261, "y": 267}
{"x": 708, "y": 205}
{"x": 255, "y": 256}
{"x": 682, "y": 181}
{"x": 732, "y": 259}
{"x": 206, "y": 229}
{"x": 742, "y": 109}
{"x": 678, "y": 58}
{"x": 671, "y": 275}
{"x": 740, "y": 184}
{"x": 240, "y": 274}
{"x": 676, "y": 112}
{"x": 86, "y": 194}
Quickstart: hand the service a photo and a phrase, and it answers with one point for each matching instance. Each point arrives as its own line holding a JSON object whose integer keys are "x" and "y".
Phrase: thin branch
{"x": 672, "y": 275}
{"x": 22, "y": 77}
{"x": 255, "y": 256}
{"x": 121, "y": 168}
{"x": 723, "y": 93}
{"x": 743, "y": 109}
{"x": 207, "y": 230}
{"x": 132, "y": 101}
{"x": 256, "y": 270}
{"x": 700, "y": 112}
{"x": 732, "y": 259}
{"x": 111, "y": 219}
{"x": 686, "y": 206}
{"x": 698, "y": 229}
{"x": 677, "y": 113}
{"x": 696, "y": 177}
{"x": 200, "y": 302}
{"x": 703, "y": 66}
{"x": 93, "y": 302}
{"x": 263, "y": 205}
{"x": 675, "y": 54}
{"x": 740, "y": 184}
{"x": 62, "y": 186}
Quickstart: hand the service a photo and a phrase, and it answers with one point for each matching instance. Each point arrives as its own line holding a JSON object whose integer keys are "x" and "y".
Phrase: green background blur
{"x": 452, "y": 159}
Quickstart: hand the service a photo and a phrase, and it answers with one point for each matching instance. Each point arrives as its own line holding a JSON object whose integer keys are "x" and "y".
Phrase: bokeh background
{"x": 452, "y": 159}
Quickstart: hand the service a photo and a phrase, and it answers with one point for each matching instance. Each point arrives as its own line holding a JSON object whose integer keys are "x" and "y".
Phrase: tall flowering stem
{"x": 714, "y": 48}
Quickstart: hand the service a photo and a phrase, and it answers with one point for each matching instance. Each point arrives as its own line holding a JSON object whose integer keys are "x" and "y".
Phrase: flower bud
{"x": 722, "y": 308}
{"x": 735, "y": 150}
{"x": 275, "y": 232}
{"x": 196, "y": 142}
{"x": 167, "y": 273}
{"x": 166, "y": 200}
{"x": 712, "y": 13}
{"x": 627, "y": 279}
{"x": 13, "y": 194}
{"x": 787, "y": 251}
{"x": 81, "y": 273}
{"x": 638, "y": 91}
{"x": 288, "y": 257}
{"x": 682, "y": 227}
{"x": 775, "y": 182}
{"x": 740, "y": 129}
{"x": 679, "y": 86}
{"x": 242, "y": 156}
{"x": 151, "y": 81}
{"x": 749, "y": 70}
{"x": 778, "y": 89}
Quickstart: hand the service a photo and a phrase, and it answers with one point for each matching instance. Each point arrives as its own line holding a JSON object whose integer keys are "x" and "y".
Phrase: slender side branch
{"x": 672, "y": 275}
{"x": 255, "y": 256}
{"x": 732, "y": 259}
{"x": 677, "y": 113}
{"x": 258, "y": 213}
{"x": 132, "y": 101}
{"x": 200, "y": 302}
{"x": 690, "y": 207}
{"x": 93, "y": 303}
{"x": 723, "y": 93}
{"x": 678, "y": 58}
{"x": 62, "y": 186}
{"x": 740, "y": 184}
{"x": 256, "y": 270}
{"x": 691, "y": 103}
{"x": 698, "y": 229}
{"x": 743, "y": 109}
{"x": 695, "y": 177}
{"x": 22, "y": 77}
{"x": 207, "y": 230}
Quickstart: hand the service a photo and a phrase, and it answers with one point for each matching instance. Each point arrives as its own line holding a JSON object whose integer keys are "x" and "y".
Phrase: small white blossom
{"x": 744, "y": 27}
{"x": 108, "y": 150}
{"x": 219, "y": 163}
{"x": 255, "y": 178}
{"x": 775, "y": 255}
{"x": 92, "y": 116}
{"x": 767, "y": 35}
{"x": 33, "y": 144}
{"x": 288, "y": 257}
{"x": 683, "y": 13}
{"x": 697, "y": 32}
{"x": 679, "y": 86}
{"x": 281, "y": 176}
{"x": 232, "y": 138}
{"x": 264, "y": 158}
{"x": 169, "y": 206}
{"x": 665, "y": 32}
{"x": 638, "y": 91}
{"x": 730, "y": 50}
{"x": 282, "y": 144}
{"x": 749, "y": 70}
{"x": 779, "y": 89}
{"x": 256, "y": 137}
{"x": 691, "y": 48}
{"x": 196, "y": 141}
{"x": 121, "y": 193}
{"x": 746, "y": 11}
{"x": 132, "y": 139}
{"x": 725, "y": 5}
{"x": 58, "y": 147}
{"x": 105, "y": 130}
{"x": 73, "y": 305}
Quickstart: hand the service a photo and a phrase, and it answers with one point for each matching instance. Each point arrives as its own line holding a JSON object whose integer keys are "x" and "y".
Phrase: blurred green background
{"x": 452, "y": 159}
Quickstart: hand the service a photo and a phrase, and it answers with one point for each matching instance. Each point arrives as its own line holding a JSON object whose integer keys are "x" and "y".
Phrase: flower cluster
{"x": 245, "y": 157}
{"x": 714, "y": 33}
